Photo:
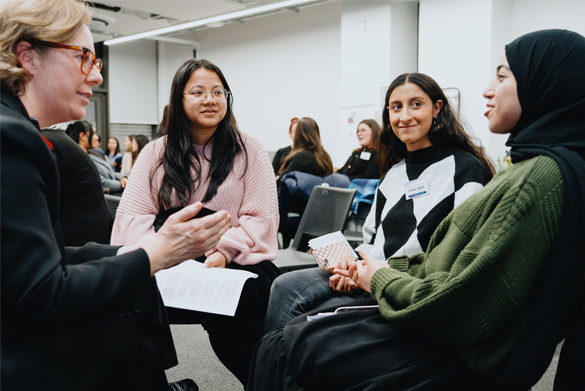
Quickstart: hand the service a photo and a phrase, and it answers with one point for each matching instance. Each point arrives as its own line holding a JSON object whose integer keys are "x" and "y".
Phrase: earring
{"x": 434, "y": 121}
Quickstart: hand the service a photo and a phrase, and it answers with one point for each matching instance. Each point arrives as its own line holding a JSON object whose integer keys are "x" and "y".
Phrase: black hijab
{"x": 549, "y": 67}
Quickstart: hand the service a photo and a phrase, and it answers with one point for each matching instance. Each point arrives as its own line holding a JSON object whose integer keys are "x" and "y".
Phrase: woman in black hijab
{"x": 502, "y": 281}
{"x": 549, "y": 67}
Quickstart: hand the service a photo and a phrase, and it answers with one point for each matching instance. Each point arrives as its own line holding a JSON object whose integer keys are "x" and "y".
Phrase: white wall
{"x": 329, "y": 59}
{"x": 461, "y": 41}
{"x": 378, "y": 42}
{"x": 170, "y": 57}
{"x": 133, "y": 83}
{"x": 280, "y": 67}
{"x": 453, "y": 40}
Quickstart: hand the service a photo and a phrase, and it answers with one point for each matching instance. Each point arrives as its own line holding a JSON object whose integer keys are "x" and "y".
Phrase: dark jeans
{"x": 301, "y": 291}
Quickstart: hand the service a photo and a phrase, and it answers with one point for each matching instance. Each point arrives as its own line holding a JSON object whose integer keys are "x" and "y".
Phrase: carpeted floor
{"x": 197, "y": 361}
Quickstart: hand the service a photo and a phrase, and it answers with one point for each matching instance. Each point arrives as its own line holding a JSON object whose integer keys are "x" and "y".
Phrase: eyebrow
{"x": 200, "y": 86}
{"x": 502, "y": 66}
{"x": 410, "y": 100}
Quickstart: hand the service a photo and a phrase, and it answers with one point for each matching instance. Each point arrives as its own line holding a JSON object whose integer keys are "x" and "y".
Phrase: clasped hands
{"x": 352, "y": 275}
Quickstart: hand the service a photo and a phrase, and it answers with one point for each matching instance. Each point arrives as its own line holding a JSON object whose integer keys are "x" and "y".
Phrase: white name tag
{"x": 416, "y": 188}
{"x": 365, "y": 155}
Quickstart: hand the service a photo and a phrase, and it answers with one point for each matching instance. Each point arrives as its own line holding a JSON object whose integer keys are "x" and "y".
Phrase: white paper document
{"x": 192, "y": 286}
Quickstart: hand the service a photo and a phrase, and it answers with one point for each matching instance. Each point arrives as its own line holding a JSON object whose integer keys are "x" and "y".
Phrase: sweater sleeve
{"x": 138, "y": 208}
{"x": 106, "y": 179}
{"x": 255, "y": 238}
{"x": 482, "y": 260}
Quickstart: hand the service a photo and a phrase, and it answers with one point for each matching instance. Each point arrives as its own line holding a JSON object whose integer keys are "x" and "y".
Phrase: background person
{"x": 422, "y": 141}
{"x": 114, "y": 153}
{"x": 307, "y": 154}
{"x": 126, "y": 166}
{"x": 96, "y": 145}
{"x": 78, "y": 318}
{"x": 282, "y": 153}
{"x": 82, "y": 132}
{"x": 363, "y": 162}
{"x": 204, "y": 158}
{"x": 83, "y": 215}
{"x": 138, "y": 143}
{"x": 501, "y": 283}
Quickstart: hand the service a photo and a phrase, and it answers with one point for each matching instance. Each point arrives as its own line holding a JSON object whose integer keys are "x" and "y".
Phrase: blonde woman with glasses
{"x": 73, "y": 318}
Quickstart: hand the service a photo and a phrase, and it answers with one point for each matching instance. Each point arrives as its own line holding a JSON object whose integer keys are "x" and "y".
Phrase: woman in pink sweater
{"x": 203, "y": 157}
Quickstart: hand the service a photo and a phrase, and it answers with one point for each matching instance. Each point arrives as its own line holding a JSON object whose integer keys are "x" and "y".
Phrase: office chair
{"x": 113, "y": 202}
{"x": 326, "y": 212}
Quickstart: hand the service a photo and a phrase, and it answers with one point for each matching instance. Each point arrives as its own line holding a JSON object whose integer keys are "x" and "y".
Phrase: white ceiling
{"x": 136, "y": 16}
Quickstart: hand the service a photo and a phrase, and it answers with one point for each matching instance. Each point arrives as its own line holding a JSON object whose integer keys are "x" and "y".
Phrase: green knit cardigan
{"x": 469, "y": 290}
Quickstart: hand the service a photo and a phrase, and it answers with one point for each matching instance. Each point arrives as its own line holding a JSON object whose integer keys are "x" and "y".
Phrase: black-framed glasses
{"x": 88, "y": 60}
{"x": 219, "y": 94}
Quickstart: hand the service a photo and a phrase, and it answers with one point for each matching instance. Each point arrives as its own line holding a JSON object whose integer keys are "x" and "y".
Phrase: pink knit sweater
{"x": 250, "y": 199}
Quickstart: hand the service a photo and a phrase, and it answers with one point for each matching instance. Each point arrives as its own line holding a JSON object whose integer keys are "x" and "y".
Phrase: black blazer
{"x": 61, "y": 306}
{"x": 356, "y": 167}
{"x": 83, "y": 215}
{"x": 279, "y": 157}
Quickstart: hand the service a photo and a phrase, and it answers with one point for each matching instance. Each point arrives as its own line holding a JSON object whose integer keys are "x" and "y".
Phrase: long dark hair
{"x": 74, "y": 129}
{"x": 180, "y": 160}
{"x": 308, "y": 138}
{"x": 141, "y": 141}
{"x": 445, "y": 130}
{"x": 117, "y": 150}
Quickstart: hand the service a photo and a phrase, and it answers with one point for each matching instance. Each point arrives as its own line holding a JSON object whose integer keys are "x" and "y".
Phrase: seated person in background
{"x": 114, "y": 155}
{"x": 282, "y": 153}
{"x": 73, "y": 318}
{"x": 127, "y": 161}
{"x": 422, "y": 141}
{"x": 82, "y": 132}
{"x": 83, "y": 216}
{"x": 307, "y": 154}
{"x": 96, "y": 145}
{"x": 363, "y": 162}
{"x": 501, "y": 282}
{"x": 138, "y": 143}
{"x": 204, "y": 158}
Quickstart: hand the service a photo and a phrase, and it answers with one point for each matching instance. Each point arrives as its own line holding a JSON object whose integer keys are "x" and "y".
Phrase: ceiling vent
{"x": 100, "y": 22}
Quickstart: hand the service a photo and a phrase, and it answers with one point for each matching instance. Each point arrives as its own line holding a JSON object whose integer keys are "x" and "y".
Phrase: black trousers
{"x": 234, "y": 338}
{"x": 355, "y": 351}
{"x": 134, "y": 361}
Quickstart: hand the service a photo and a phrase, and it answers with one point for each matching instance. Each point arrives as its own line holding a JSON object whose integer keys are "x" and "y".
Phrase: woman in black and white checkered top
{"x": 431, "y": 165}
